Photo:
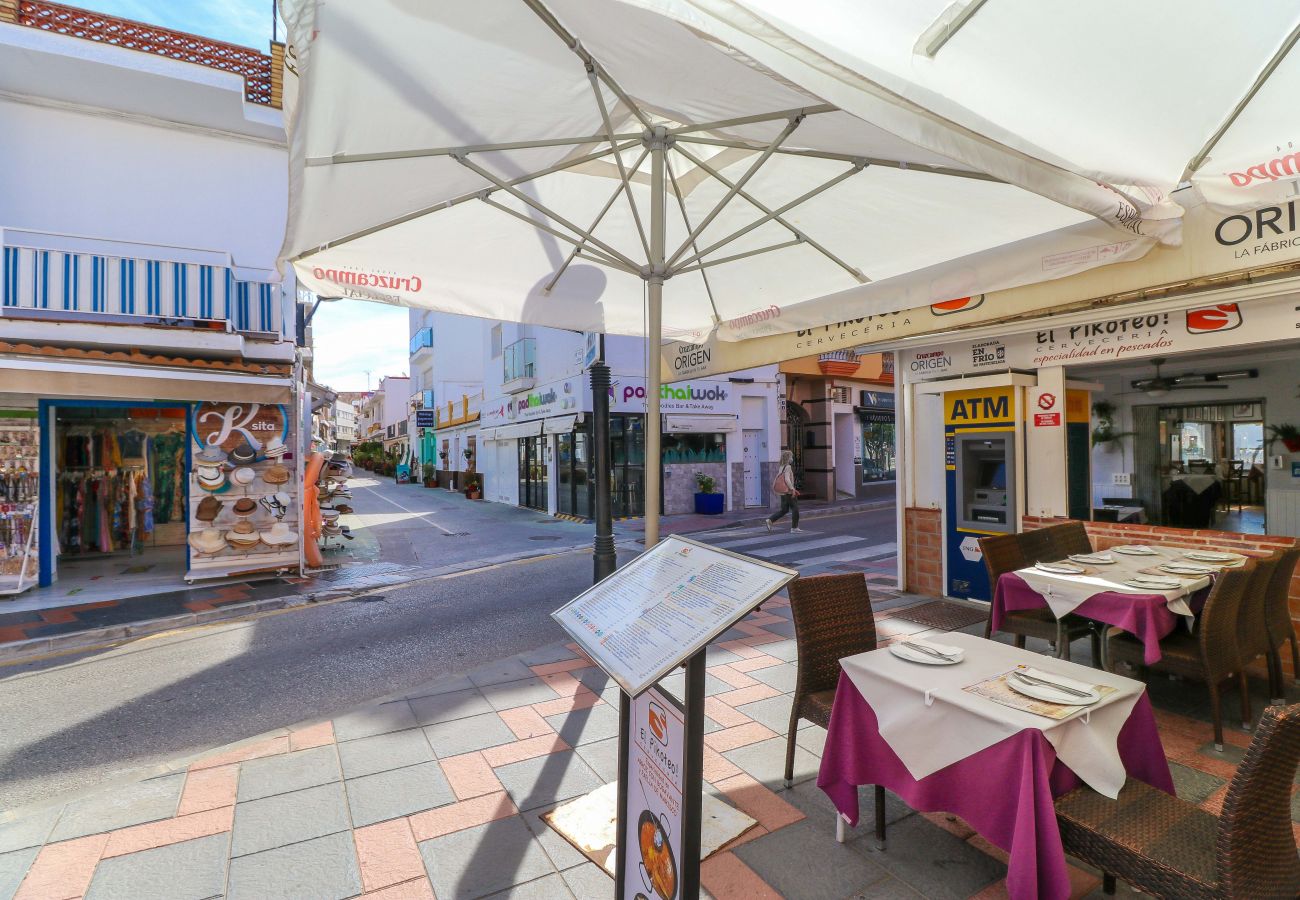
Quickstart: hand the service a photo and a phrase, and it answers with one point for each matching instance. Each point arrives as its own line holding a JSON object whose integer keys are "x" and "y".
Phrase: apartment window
{"x": 839, "y": 394}
{"x": 421, "y": 339}
{"x": 519, "y": 360}
{"x": 426, "y": 399}
{"x": 496, "y": 341}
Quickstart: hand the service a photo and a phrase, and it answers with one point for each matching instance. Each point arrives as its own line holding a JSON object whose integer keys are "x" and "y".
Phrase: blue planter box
{"x": 709, "y": 504}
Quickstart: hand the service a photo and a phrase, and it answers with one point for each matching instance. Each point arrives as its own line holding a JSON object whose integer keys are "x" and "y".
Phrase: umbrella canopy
{"x": 460, "y": 157}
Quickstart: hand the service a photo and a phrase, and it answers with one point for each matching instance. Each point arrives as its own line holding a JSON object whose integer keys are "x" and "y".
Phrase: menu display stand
{"x": 657, "y": 613}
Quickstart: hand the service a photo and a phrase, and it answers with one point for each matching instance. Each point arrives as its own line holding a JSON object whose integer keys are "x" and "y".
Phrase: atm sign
{"x": 979, "y": 407}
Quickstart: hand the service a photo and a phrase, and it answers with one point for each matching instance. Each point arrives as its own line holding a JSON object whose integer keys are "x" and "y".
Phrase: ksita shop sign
{"x": 228, "y": 425}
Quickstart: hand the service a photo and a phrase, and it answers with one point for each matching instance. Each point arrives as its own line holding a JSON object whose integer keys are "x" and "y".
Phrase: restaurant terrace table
{"x": 919, "y": 732}
{"x": 1102, "y": 595}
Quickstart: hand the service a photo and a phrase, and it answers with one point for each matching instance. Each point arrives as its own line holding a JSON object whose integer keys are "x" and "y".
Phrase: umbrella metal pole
{"x": 654, "y": 331}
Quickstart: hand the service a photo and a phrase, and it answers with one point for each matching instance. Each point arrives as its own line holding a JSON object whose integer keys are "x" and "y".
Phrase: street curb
{"x": 109, "y": 635}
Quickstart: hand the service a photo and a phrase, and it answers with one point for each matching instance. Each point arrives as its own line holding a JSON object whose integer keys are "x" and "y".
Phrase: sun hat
{"x": 209, "y": 508}
{"x": 329, "y": 514}
{"x": 283, "y": 499}
{"x": 209, "y": 540}
{"x": 275, "y": 447}
{"x": 211, "y": 454}
{"x": 274, "y": 506}
{"x": 276, "y": 474}
{"x": 213, "y": 484}
{"x": 243, "y": 534}
{"x": 244, "y": 475}
{"x": 245, "y": 506}
{"x": 279, "y": 535}
{"x": 243, "y": 454}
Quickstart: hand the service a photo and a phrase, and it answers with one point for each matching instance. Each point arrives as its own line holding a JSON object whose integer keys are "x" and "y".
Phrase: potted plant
{"x": 1105, "y": 432}
{"x": 430, "y": 475}
{"x": 472, "y": 490}
{"x": 469, "y": 457}
{"x": 1289, "y": 435}
{"x": 708, "y": 501}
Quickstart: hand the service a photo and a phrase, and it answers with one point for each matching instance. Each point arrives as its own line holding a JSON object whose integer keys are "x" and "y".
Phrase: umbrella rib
{"x": 862, "y": 279}
{"x": 555, "y": 232}
{"x": 699, "y": 267}
{"x": 797, "y": 112}
{"x": 618, "y": 158}
{"x": 737, "y": 187}
{"x": 340, "y": 158}
{"x": 681, "y": 204}
{"x": 803, "y": 198}
{"x": 1276, "y": 60}
{"x": 550, "y": 285}
{"x": 846, "y": 157}
{"x": 544, "y": 210}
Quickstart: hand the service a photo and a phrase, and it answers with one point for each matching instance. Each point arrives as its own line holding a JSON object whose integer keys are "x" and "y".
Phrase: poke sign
{"x": 1046, "y": 401}
{"x": 970, "y": 549}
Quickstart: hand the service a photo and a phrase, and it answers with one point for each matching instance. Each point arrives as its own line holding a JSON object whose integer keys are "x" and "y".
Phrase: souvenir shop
{"x": 19, "y": 485}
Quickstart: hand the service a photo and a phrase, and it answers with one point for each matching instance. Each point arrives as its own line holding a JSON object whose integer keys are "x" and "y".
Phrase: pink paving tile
{"x": 757, "y": 801}
{"x": 727, "y": 878}
{"x": 731, "y": 676}
{"x": 417, "y": 889}
{"x": 760, "y": 639}
{"x": 753, "y": 833}
{"x": 763, "y": 618}
{"x": 995, "y": 891}
{"x": 723, "y": 714}
{"x": 62, "y": 871}
{"x": 564, "y": 684}
{"x": 777, "y": 601}
{"x": 525, "y": 749}
{"x": 209, "y": 789}
{"x": 757, "y": 691}
{"x": 459, "y": 816}
{"x": 580, "y": 700}
{"x": 564, "y": 665}
{"x": 740, "y": 736}
{"x": 755, "y": 662}
{"x": 317, "y": 735}
{"x": 950, "y": 823}
{"x": 525, "y": 722}
{"x": 470, "y": 775}
{"x": 269, "y": 747}
{"x": 751, "y": 628}
{"x": 1213, "y": 804}
{"x": 580, "y": 653}
{"x": 717, "y": 767}
{"x": 169, "y": 831}
{"x": 387, "y": 854}
{"x": 740, "y": 648}
{"x": 979, "y": 842}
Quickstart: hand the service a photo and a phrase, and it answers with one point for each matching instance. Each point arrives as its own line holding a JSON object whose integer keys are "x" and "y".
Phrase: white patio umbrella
{"x": 558, "y": 162}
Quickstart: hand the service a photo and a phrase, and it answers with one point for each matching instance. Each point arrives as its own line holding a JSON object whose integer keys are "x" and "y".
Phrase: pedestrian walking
{"x": 783, "y": 487}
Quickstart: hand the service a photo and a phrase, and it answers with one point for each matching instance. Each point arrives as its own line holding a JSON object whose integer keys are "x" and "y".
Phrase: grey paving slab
{"x": 602, "y": 756}
{"x": 450, "y": 706}
{"x": 812, "y": 738}
{"x": 765, "y": 762}
{"x": 549, "y": 887}
{"x": 716, "y": 656}
{"x": 441, "y": 686}
{"x": 588, "y": 881}
{"x": 781, "y": 677}
{"x": 484, "y": 859}
{"x": 594, "y": 679}
{"x": 382, "y": 752}
{"x": 548, "y": 654}
{"x": 560, "y": 852}
{"x": 585, "y": 726}
{"x": 1230, "y": 753}
{"x": 379, "y": 718}
{"x": 786, "y": 650}
{"x": 799, "y": 862}
{"x": 511, "y": 669}
{"x": 397, "y": 792}
{"x": 813, "y": 803}
{"x": 467, "y": 735}
{"x": 29, "y": 831}
{"x": 548, "y": 779}
{"x": 509, "y": 694}
{"x": 289, "y": 818}
{"x": 715, "y": 685}
{"x": 324, "y": 868}
{"x": 190, "y": 870}
{"x": 887, "y": 888}
{"x": 932, "y": 861}
{"x": 130, "y": 804}
{"x": 1193, "y": 785}
{"x": 774, "y": 712}
{"x": 271, "y": 775}
{"x": 13, "y": 869}
{"x": 785, "y": 629}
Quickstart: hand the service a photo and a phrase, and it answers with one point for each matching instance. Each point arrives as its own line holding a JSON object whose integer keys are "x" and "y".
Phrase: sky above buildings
{"x": 246, "y": 22}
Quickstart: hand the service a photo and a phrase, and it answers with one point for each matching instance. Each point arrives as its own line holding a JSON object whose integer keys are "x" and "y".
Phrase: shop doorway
{"x": 572, "y": 467}
{"x": 627, "y": 459}
{"x": 845, "y": 443}
{"x": 753, "y": 462}
{"x": 118, "y": 506}
{"x": 533, "y": 472}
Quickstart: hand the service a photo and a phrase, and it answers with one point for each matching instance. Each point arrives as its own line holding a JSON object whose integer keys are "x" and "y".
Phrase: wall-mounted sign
{"x": 627, "y": 394}
{"x": 1046, "y": 420}
{"x": 228, "y": 425}
{"x": 426, "y": 418}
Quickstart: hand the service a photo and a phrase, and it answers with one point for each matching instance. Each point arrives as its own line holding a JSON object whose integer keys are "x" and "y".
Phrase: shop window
{"x": 496, "y": 341}
{"x": 839, "y": 394}
{"x": 694, "y": 448}
{"x": 878, "y": 461}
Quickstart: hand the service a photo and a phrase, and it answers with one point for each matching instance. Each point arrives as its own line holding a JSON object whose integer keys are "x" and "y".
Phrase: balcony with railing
{"x": 519, "y": 365}
{"x": 421, "y": 341}
{"x": 459, "y": 412}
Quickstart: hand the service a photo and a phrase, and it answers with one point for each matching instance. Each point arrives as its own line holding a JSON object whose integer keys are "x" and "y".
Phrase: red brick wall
{"x": 1109, "y": 534}
{"x": 923, "y": 537}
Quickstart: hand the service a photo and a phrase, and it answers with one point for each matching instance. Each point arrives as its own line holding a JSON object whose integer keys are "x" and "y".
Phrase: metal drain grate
{"x": 456, "y": 534}
{"x": 942, "y": 615}
{"x": 544, "y": 537}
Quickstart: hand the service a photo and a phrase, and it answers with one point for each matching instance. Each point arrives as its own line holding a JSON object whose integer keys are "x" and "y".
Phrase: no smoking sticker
{"x": 1046, "y": 401}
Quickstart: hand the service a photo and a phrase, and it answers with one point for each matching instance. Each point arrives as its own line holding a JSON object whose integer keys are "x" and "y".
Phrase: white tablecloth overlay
{"x": 1198, "y": 483}
{"x": 1064, "y": 593}
{"x": 958, "y": 724}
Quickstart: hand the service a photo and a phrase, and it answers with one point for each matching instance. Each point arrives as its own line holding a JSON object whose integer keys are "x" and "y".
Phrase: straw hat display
{"x": 243, "y": 476}
{"x": 210, "y": 456}
{"x": 211, "y": 479}
{"x": 243, "y": 454}
{"x": 274, "y": 448}
{"x": 279, "y": 535}
{"x": 276, "y": 504}
{"x": 243, "y": 535}
{"x": 209, "y": 508}
{"x": 245, "y": 506}
{"x": 276, "y": 474}
{"x": 209, "y": 540}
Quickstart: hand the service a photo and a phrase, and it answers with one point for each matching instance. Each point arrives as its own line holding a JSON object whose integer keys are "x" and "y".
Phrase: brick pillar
{"x": 9, "y": 11}
{"x": 277, "y": 68}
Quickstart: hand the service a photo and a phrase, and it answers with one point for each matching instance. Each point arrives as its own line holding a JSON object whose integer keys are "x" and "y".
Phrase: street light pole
{"x": 604, "y": 560}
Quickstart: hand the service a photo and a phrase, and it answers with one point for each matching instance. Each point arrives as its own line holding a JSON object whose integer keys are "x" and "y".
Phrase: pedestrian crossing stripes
{"x": 798, "y": 550}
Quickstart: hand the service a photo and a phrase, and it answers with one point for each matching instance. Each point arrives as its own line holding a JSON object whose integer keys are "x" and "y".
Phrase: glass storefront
{"x": 532, "y": 471}
{"x": 573, "y": 465}
{"x": 627, "y": 459}
{"x": 695, "y": 448}
{"x": 878, "y": 463}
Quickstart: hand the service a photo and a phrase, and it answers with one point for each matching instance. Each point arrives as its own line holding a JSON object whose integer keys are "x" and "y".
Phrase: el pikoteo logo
{"x": 959, "y": 305}
{"x": 1210, "y": 319}
{"x": 657, "y": 722}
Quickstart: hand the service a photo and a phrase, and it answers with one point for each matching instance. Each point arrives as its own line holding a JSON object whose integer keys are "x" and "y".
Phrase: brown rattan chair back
{"x": 832, "y": 620}
{"x": 1277, "y": 605}
{"x": 1256, "y": 849}
{"x": 1218, "y": 626}
{"x": 1003, "y": 553}
{"x": 1069, "y": 538}
{"x": 1252, "y": 615}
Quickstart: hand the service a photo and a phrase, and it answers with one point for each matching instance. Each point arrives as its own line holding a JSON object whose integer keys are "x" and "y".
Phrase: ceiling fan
{"x": 1159, "y": 385}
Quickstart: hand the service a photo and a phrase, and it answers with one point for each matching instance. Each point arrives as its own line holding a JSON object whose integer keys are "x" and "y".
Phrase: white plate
{"x": 1039, "y": 692}
{"x": 1135, "y": 550}
{"x": 1060, "y": 568}
{"x": 1210, "y": 556}
{"x": 917, "y": 656}
{"x": 1154, "y": 584}
{"x": 1188, "y": 569}
{"x": 1092, "y": 560}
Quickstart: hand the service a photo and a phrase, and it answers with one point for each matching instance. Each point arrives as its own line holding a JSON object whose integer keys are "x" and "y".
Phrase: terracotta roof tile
{"x": 140, "y": 357}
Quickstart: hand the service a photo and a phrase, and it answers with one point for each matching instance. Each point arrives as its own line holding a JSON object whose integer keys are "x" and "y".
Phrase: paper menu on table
{"x": 997, "y": 690}
{"x": 649, "y": 616}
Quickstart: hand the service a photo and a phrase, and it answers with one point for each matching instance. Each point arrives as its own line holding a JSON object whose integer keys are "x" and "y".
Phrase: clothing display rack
{"x": 19, "y": 502}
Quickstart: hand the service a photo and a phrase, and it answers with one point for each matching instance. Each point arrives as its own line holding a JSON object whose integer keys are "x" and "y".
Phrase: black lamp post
{"x": 605, "y": 560}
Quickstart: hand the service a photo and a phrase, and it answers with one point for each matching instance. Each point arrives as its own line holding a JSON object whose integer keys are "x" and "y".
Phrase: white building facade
{"x": 447, "y": 364}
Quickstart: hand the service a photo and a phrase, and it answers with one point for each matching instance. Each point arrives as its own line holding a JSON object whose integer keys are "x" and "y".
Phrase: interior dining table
{"x": 954, "y": 738}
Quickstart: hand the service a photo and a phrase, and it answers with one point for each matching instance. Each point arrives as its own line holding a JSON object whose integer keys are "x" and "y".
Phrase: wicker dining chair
{"x": 1007, "y": 552}
{"x": 1277, "y": 616}
{"x": 1069, "y": 538}
{"x": 1252, "y": 625}
{"x": 1170, "y": 848}
{"x": 832, "y": 620}
{"x": 1209, "y": 655}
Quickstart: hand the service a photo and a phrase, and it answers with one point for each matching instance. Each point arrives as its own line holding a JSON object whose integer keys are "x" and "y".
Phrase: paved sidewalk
{"x": 688, "y": 523}
{"x": 438, "y": 793}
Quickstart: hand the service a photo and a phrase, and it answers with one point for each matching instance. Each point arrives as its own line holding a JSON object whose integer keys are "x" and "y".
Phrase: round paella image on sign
{"x": 657, "y": 856}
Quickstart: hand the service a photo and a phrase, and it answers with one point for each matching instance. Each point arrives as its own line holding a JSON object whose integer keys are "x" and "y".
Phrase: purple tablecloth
{"x": 1145, "y": 615}
{"x": 1004, "y": 792}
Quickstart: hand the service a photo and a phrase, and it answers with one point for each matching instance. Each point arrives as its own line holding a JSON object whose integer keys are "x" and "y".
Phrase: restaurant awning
{"x": 560, "y": 424}
{"x": 518, "y": 430}
{"x": 705, "y": 424}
